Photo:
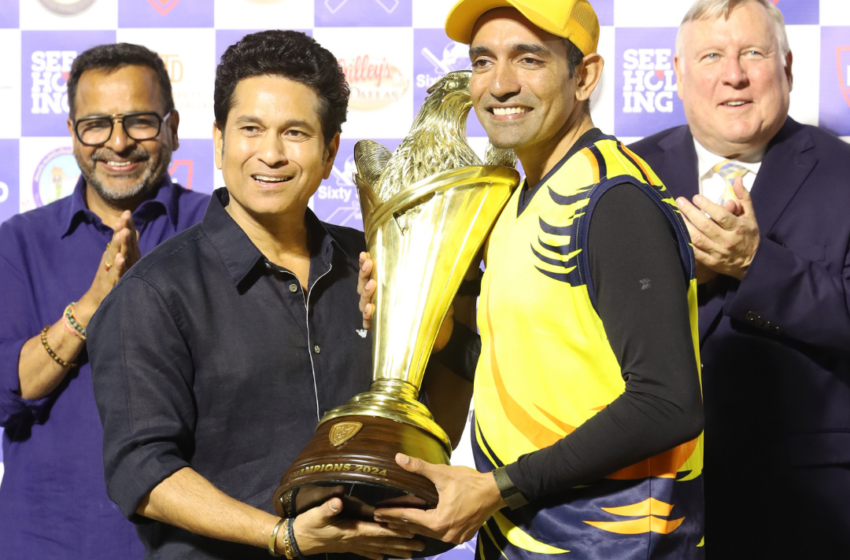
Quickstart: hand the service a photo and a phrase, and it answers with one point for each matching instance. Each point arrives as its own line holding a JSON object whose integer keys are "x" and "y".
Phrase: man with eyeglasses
{"x": 57, "y": 263}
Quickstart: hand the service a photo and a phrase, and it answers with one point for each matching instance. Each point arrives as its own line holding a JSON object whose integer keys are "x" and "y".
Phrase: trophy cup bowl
{"x": 422, "y": 238}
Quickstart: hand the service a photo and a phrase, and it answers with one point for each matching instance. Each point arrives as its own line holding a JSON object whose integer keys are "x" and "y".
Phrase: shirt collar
{"x": 706, "y": 160}
{"x": 164, "y": 200}
{"x": 238, "y": 252}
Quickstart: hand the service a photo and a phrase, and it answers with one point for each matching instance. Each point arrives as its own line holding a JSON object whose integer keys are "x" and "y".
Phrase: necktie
{"x": 729, "y": 171}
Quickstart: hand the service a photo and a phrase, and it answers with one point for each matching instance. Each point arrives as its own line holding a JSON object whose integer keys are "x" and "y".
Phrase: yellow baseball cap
{"x": 572, "y": 19}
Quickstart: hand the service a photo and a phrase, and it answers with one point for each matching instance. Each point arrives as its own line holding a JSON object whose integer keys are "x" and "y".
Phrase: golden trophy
{"x": 427, "y": 210}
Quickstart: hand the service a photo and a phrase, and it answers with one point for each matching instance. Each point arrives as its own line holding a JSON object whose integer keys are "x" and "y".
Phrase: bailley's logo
{"x": 66, "y": 7}
{"x": 55, "y": 176}
{"x": 344, "y": 431}
{"x": 842, "y": 66}
{"x": 374, "y": 83}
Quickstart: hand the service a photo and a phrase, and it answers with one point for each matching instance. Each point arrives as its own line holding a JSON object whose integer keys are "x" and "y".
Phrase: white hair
{"x": 713, "y": 9}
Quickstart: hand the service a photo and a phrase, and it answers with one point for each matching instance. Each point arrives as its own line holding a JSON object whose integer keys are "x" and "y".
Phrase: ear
{"x": 173, "y": 123}
{"x": 70, "y": 124}
{"x": 331, "y": 151}
{"x": 678, "y": 67}
{"x": 789, "y": 61}
{"x": 218, "y": 141}
{"x": 589, "y": 74}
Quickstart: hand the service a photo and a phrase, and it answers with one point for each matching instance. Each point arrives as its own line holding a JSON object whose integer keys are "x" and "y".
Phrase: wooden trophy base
{"x": 353, "y": 457}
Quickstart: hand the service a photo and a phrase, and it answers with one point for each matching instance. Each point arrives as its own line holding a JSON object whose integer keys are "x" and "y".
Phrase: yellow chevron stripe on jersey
{"x": 546, "y": 365}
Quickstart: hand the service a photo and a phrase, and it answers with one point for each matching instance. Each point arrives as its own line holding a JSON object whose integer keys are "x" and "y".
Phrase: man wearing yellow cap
{"x": 588, "y": 413}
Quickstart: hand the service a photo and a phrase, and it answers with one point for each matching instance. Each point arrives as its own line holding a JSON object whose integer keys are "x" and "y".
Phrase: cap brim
{"x": 464, "y": 14}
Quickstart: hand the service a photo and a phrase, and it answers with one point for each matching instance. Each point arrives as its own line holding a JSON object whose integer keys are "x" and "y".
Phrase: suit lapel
{"x": 682, "y": 179}
{"x": 785, "y": 167}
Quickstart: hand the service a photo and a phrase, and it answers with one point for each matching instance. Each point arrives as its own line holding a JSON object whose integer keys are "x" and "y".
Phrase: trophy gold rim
{"x": 495, "y": 175}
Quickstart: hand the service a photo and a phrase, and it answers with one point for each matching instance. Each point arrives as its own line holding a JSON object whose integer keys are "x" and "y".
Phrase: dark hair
{"x": 290, "y": 54}
{"x": 574, "y": 58}
{"x": 114, "y": 56}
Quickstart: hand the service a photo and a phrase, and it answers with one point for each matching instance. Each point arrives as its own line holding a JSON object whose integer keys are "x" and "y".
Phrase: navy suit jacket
{"x": 775, "y": 346}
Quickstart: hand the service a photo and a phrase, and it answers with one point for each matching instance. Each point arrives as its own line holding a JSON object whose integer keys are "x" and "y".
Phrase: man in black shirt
{"x": 214, "y": 359}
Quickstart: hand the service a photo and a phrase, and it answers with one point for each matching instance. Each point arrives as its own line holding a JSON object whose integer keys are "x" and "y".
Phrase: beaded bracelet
{"x": 50, "y": 351}
{"x": 69, "y": 314}
{"x": 71, "y": 329}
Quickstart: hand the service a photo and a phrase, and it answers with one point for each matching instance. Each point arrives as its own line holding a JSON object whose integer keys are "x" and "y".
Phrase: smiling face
{"x": 123, "y": 169}
{"x": 272, "y": 153}
{"x": 520, "y": 86}
{"x": 733, "y": 80}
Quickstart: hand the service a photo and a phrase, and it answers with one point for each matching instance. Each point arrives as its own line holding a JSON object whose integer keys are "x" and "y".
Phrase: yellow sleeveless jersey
{"x": 546, "y": 367}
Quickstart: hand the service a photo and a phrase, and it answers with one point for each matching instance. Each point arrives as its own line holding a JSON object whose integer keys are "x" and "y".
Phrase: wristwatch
{"x": 510, "y": 493}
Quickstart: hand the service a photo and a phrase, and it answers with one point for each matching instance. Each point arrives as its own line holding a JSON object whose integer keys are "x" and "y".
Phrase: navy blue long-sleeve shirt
{"x": 206, "y": 355}
{"x": 53, "y": 501}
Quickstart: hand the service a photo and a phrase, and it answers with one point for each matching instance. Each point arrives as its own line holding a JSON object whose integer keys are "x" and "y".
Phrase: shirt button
{"x": 751, "y": 316}
{"x": 269, "y": 266}
{"x": 293, "y": 288}
{"x": 316, "y": 349}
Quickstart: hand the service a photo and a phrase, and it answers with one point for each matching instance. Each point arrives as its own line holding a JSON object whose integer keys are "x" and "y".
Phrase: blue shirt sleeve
{"x": 15, "y": 329}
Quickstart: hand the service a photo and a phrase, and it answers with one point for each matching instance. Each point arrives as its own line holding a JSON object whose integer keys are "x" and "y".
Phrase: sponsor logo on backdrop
{"x": 645, "y": 82}
{"x": 389, "y": 6}
{"x": 46, "y": 58}
{"x": 374, "y": 82}
{"x": 649, "y": 81}
{"x": 192, "y": 165}
{"x": 49, "y": 71}
{"x": 163, "y": 6}
{"x": 174, "y": 67}
{"x": 834, "y": 108}
{"x": 453, "y": 56}
{"x": 66, "y": 7}
{"x": 336, "y": 200}
{"x": 799, "y": 12}
{"x": 842, "y": 66}
{"x": 435, "y": 55}
{"x": 366, "y": 13}
{"x": 55, "y": 176}
{"x": 9, "y": 183}
{"x": 166, "y": 13}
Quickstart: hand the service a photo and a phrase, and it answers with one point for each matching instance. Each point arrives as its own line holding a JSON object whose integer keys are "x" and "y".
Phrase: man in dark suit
{"x": 775, "y": 300}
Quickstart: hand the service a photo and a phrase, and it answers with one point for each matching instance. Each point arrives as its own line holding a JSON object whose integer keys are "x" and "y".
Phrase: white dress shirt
{"x": 712, "y": 185}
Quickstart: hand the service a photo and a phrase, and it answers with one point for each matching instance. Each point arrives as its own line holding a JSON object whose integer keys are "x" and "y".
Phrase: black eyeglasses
{"x": 94, "y": 131}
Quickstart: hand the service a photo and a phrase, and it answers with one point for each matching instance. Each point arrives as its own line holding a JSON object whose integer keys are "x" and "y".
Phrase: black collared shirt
{"x": 207, "y": 355}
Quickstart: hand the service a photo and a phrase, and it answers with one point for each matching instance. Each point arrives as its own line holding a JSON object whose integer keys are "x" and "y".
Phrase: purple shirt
{"x": 53, "y": 501}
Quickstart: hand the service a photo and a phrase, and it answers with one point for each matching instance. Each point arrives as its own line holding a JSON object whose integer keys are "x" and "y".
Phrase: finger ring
{"x": 108, "y": 244}
{"x": 107, "y": 266}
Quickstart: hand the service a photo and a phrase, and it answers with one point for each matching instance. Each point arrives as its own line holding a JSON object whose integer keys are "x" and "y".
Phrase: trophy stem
{"x": 393, "y": 399}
